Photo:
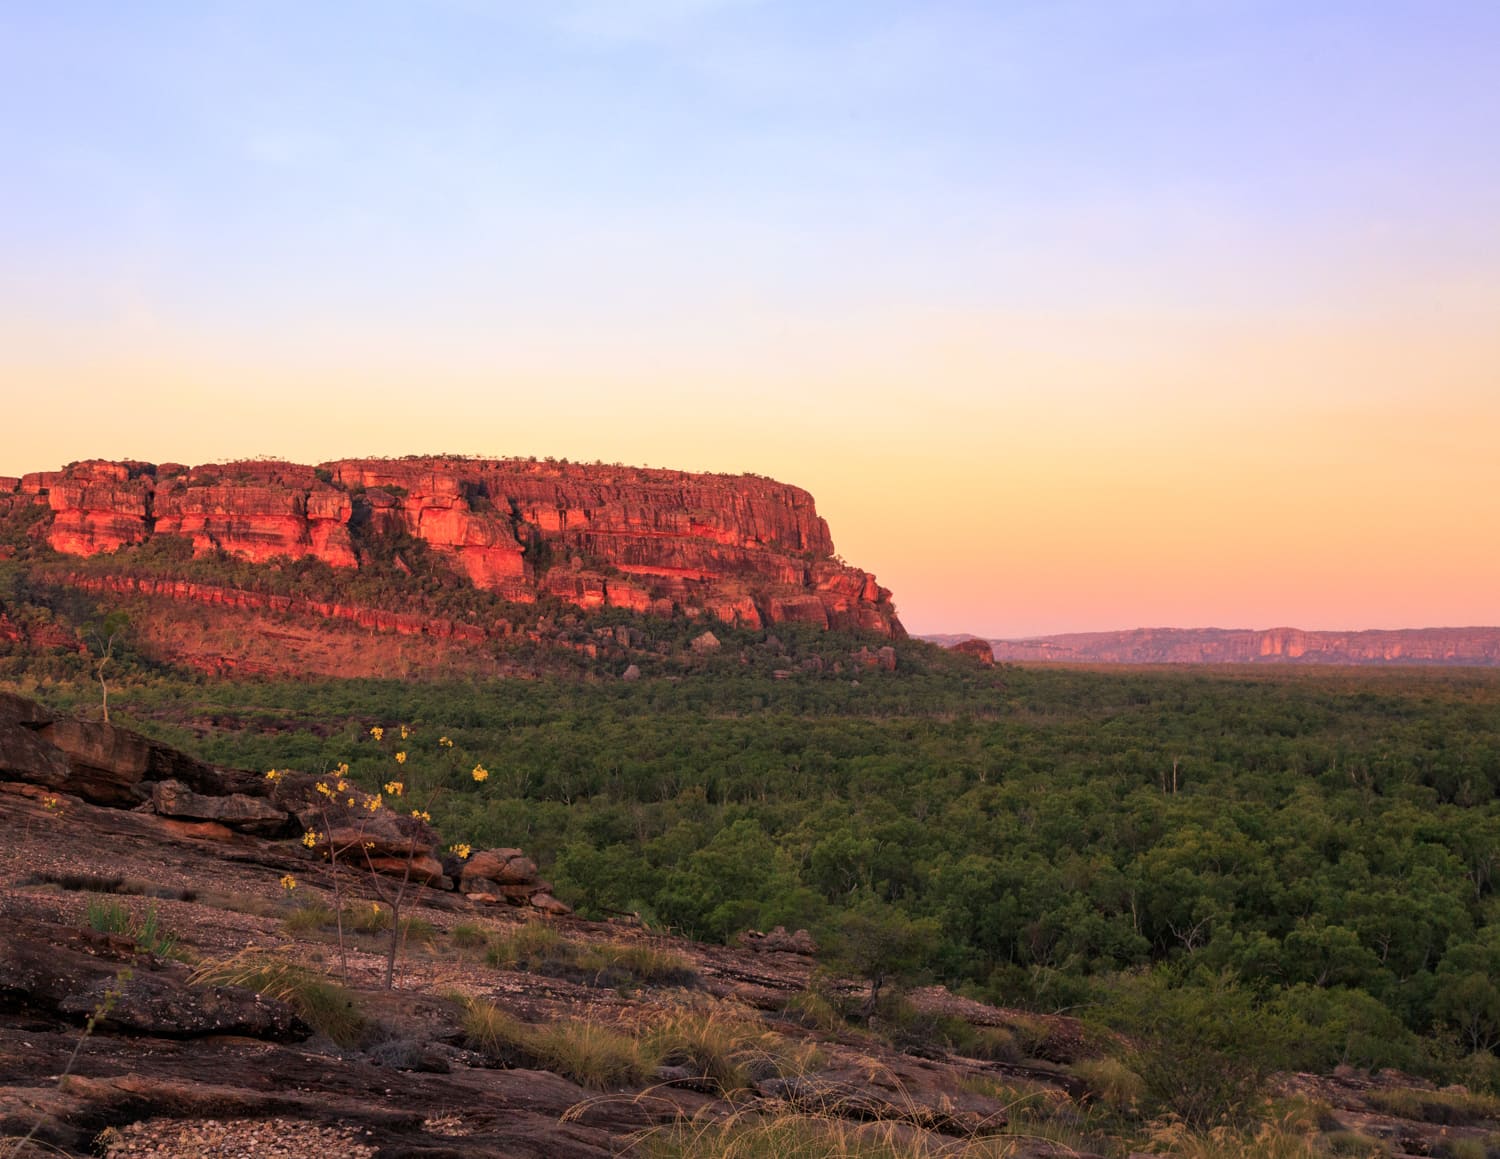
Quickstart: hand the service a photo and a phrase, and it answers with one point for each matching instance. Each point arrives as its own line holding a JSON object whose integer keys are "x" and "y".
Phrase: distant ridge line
{"x": 1470, "y": 647}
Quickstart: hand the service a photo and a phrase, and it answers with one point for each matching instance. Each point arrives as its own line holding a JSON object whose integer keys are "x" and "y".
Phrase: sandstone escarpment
{"x": 743, "y": 549}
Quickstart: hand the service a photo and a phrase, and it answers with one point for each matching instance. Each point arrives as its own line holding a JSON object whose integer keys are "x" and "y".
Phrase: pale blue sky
{"x": 796, "y": 238}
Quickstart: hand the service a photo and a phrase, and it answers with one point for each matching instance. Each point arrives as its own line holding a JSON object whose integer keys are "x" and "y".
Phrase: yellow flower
{"x": 378, "y": 733}
{"x": 395, "y": 788}
{"x": 462, "y": 849}
{"x": 350, "y": 802}
{"x": 288, "y": 882}
{"x": 343, "y": 769}
{"x": 343, "y": 785}
{"x": 405, "y": 732}
{"x": 373, "y": 803}
{"x": 310, "y": 838}
{"x": 480, "y": 773}
{"x": 421, "y": 814}
{"x": 51, "y": 804}
{"x": 273, "y": 775}
{"x": 324, "y": 789}
{"x": 445, "y": 742}
{"x": 401, "y": 758}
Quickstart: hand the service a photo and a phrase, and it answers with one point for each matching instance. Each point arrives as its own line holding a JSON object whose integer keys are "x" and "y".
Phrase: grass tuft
{"x": 1449, "y": 1108}
{"x": 1111, "y": 1083}
{"x": 749, "y": 1135}
{"x": 725, "y": 1045}
{"x": 539, "y": 948}
{"x": 590, "y": 1053}
{"x": 323, "y": 1005}
{"x": 111, "y": 917}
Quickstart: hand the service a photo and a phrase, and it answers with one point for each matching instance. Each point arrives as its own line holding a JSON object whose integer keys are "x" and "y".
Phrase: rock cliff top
{"x": 742, "y": 550}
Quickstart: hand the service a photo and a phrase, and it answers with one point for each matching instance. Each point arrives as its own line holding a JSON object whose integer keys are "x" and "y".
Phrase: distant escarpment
{"x": 1456, "y": 646}
{"x": 743, "y": 550}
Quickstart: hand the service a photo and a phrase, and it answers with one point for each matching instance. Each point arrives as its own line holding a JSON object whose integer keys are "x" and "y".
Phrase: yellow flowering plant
{"x": 361, "y": 830}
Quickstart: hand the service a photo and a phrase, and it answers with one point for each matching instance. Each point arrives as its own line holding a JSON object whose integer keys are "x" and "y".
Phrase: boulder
{"x": 26, "y": 757}
{"x": 707, "y": 642}
{"x": 800, "y": 942}
{"x": 18, "y": 710}
{"x": 107, "y": 763}
{"x": 238, "y": 811}
{"x": 423, "y": 869}
{"x": 502, "y": 866}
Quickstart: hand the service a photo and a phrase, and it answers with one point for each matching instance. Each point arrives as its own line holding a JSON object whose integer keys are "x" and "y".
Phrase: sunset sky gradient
{"x": 1072, "y": 315}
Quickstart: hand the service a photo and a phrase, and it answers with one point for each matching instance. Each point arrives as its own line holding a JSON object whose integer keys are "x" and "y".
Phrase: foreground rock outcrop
{"x": 325, "y": 817}
{"x": 743, "y": 549}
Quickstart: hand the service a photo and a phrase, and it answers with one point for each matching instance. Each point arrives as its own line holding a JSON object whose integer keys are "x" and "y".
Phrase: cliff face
{"x": 744, "y": 549}
{"x": 1472, "y": 646}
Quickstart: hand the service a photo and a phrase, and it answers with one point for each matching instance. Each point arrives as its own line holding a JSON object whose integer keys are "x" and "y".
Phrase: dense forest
{"x": 1303, "y": 860}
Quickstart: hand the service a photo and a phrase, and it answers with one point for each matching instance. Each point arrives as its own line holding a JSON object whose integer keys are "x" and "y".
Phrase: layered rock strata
{"x": 744, "y": 549}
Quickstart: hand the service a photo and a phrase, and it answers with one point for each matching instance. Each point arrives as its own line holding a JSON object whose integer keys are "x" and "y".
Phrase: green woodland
{"x": 1295, "y": 863}
{"x": 1293, "y": 866}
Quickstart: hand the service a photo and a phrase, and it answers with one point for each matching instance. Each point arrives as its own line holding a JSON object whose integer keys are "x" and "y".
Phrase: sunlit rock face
{"x": 743, "y": 549}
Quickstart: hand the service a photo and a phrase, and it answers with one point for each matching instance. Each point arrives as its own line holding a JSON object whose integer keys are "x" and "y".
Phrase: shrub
{"x": 323, "y": 1005}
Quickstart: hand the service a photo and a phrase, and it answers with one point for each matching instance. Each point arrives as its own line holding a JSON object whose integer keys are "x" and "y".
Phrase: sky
{"x": 1072, "y": 315}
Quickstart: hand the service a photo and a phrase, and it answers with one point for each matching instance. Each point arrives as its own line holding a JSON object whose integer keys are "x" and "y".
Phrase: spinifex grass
{"x": 592, "y": 1054}
{"x": 323, "y": 1005}
{"x": 792, "y": 1135}
{"x": 725, "y": 1044}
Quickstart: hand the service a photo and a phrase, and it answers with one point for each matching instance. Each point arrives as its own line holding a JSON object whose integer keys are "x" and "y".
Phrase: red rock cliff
{"x": 745, "y": 549}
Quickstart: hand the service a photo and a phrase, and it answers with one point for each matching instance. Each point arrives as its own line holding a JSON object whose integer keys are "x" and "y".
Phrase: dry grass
{"x": 1111, "y": 1084}
{"x": 592, "y": 1054}
{"x": 1451, "y": 1108}
{"x": 749, "y": 1135}
{"x": 1280, "y": 1140}
{"x": 323, "y": 1005}
{"x": 725, "y": 1044}
{"x": 539, "y": 948}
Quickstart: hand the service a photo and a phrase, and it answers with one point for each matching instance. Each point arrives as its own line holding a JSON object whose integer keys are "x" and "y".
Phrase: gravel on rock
{"x": 231, "y": 1139}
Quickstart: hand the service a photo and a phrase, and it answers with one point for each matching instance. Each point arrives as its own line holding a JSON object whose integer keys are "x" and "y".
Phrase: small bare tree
{"x": 102, "y": 639}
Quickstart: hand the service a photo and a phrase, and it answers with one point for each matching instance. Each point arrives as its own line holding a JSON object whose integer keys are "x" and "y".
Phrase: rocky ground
{"x": 136, "y": 1041}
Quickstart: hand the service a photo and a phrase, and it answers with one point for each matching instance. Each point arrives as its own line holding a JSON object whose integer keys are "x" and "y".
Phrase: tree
{"x": 102, "y": 638}
{"x": 882, "y": 944}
